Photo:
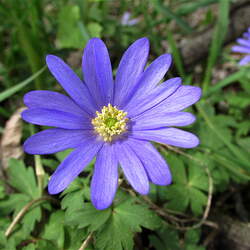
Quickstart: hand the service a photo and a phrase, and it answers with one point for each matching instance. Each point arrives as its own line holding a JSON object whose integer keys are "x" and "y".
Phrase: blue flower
{"x": 114, "y": 120}
{"x": 243, "y": 47}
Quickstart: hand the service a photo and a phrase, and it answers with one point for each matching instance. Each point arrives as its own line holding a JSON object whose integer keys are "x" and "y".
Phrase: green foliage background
{"x": 170, "y": 217}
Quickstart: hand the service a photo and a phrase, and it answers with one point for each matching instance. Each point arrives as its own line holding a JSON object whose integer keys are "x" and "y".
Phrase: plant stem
{"x": 22, "y": 212}
{"x": 86, "y": 242}
{"x": 38, "y": 167}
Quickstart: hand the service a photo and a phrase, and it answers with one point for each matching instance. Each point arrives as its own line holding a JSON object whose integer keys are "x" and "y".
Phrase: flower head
{"x": 112, "y": 120}
{"x": 243, "y": 47}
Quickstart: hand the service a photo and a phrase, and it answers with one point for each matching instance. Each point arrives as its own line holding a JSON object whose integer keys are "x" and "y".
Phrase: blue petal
{"x": 132, "y": 168}
{"x": 52, "y": 100}
{"x": 171, "y": 136}
{"x": 245, "y": 60}
{"x": 243, "y": 42}
{"x": 105, "y": 178}
{"x": 54, "y": 140}
{"x": 156, "y": 167}
{"x": 71, "y": 83}
{"x": 73, "y": 165}
{"x": 153, "y": 74}
{"x": 152, "y": 120}
{"x": 158, "y": 95}
{"x": 97, "y": 71}
{"x": 241, "y": 49}
{"x": 56, "y": 118}
{"x": 182, "y": 98}
{"x": 130, "y": 69}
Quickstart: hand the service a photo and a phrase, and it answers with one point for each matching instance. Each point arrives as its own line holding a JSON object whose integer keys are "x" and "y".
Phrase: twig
{"x": 39, "y": 173}
{"x": 22, "y": 212}
{"x": 86, "y": 241}
{"x": 38, "y": 166}
{"x": 159, "y": 210}
{"x": 210, "y": 191}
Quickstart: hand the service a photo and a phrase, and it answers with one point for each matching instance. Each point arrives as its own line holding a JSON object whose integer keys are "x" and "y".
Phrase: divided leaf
{"x": 54, "y": 230}
{"x": 22, "y": 178}
{"x": 126, "y": 219}
{"x": 190, "y": 181}
{"x": 88, "y": 216}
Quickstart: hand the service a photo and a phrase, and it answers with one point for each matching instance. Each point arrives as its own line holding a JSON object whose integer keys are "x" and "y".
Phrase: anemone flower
{"x": 243, "y": 47}
{"x": 112, "y": 120}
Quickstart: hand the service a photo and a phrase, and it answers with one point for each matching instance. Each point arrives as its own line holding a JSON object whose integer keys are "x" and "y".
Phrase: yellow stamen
{"x": 110, "y": 122}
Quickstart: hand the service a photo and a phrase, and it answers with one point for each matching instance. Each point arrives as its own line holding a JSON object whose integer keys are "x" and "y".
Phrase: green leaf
{"x": 126, "y": 219}
{"x": 237, "y": 152}
{"x": 197, "y": 177}
{"x": 13, "y": 203}
{"x": 137, "y": 216}
{"x": 70, "y": 33}
{"x": 22, "y": 178}
{"x": 54, "y": 230}
{"x": 30, "y": 218}
{"x": 30, "y": 247}
{"x": 95, "y": 29}
{"x": 240, "y": 99}
{"x": 60, "y": 156}
{"x": 74, "y": 238}
{"x": 178, "y": 197}
{"x": 73, "y": 201}
{"x": 188, "y": 185}
{"x": 115, "y": 235}
{"x": 2, "y": 190}
{"x": 88, "y": 216}
{"x": 192, "y": 236}
{"x": 165, "y": 239}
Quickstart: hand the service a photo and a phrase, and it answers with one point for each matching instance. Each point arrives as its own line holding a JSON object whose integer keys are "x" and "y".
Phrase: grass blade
{"x": 11, "y": 91}
{"x": 171, "y": 15}
{"x": 176, "y": 54}
{"x": 217, "y": 40}
{"x": 225, "y": 82}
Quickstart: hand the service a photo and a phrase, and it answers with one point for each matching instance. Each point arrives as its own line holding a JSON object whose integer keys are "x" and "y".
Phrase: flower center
{"x": 110, "y": 122}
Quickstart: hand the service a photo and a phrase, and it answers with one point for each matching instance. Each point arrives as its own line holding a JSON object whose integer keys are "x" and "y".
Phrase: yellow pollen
{"x": 110, "y": 122}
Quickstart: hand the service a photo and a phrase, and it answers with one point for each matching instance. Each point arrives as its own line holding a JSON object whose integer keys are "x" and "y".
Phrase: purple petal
{"x": 72, "y": 84}
{"x": 51, "y": 100}
{"x": 247, "y": 35}
{"x": 243, "y": 42}
{"x": 152, "y": 120}
{"x": 241, "y": 49}
{"x": 245, "y": 60}
{"x": 73, "y": 165}
{"x": 97, "y": 71}
{"x": 159, "y": 94}
{"x": 132, "y": 168}
{"x": 130, "y": 69}
{"x": 171, "y": 136}
{"x": 182, "y": 98}
{"x": 105, "y": 179}
{"x": 153, "y": 74}
{"x": 156, "y": 167}
{"x": 54, "y": 140}
{"x": 55, "y": 118}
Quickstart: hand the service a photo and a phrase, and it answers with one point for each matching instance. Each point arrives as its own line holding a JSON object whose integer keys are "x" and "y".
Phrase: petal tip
{"x": 101, "y": 205}
{"x": 144, "y": 41}
{"x": 53, "y": 189}
{"x": 49, "y": 58}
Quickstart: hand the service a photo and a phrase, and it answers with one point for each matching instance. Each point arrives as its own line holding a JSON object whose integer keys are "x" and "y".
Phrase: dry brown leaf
{"x": 10, "y": 143}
